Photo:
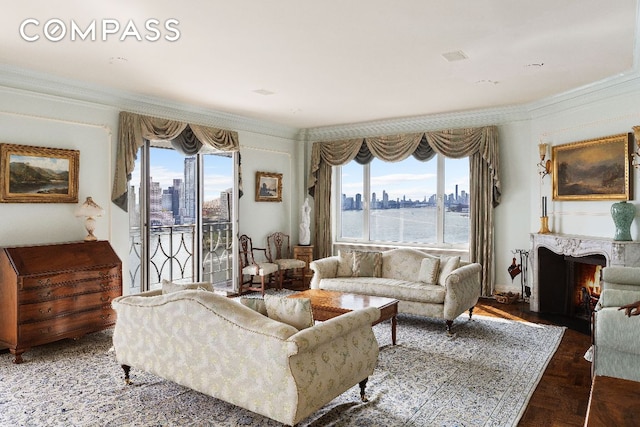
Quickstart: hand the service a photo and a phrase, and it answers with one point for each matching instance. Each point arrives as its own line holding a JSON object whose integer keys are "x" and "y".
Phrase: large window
{"x": 409, "y": 202}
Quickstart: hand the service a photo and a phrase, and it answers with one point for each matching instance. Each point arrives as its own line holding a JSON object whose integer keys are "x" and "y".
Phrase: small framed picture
{"x": 268, "y": 187}
{"x": 38, "y": 174}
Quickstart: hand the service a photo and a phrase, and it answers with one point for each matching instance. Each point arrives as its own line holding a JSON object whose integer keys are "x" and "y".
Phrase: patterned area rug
{"x": 484, "y": 376}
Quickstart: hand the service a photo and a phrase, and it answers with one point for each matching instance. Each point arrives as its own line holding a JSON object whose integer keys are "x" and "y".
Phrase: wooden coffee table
{"x": 329, "y": 304}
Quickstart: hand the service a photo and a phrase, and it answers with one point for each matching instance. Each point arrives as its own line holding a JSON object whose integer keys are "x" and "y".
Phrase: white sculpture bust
{"x": 305, "y": 220}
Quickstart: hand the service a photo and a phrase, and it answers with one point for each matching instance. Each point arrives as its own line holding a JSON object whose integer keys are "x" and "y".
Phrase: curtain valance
{"x": 134, "y": 129}
{"x": 479, "y": 144}
{"x": 456, "y": 143}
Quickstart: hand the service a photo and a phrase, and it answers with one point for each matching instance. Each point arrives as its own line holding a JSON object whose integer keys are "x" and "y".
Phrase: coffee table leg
{"x": 393, "y": 329}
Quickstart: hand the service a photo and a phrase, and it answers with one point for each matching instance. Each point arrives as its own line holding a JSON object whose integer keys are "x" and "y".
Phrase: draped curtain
{"x": 134, "y": 129}
{"x": 479, "y": 144}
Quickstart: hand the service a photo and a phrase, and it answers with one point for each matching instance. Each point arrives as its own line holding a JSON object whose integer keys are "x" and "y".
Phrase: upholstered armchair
{"x": 252, "y": 266}
{"x": 279, "y": 252}
{"x": 616, "y": 337}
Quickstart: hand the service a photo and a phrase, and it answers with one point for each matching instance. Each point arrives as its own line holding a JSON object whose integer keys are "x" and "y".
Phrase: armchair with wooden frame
{"x": 251, "y": 267}
{"x": 279, "y": 253}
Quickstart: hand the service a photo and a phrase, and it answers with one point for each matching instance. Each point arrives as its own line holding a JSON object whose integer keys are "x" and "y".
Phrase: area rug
{"x": 483, "y": 376}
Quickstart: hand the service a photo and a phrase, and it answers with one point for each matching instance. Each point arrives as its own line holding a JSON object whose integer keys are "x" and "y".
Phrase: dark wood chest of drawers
{"x": 52, "y": 292}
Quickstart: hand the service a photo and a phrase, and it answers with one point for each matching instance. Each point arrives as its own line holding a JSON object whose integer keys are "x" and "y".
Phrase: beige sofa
{"x": 219, "y": 347}
{"x": 407, "y": 275}
{"x": 616, "y": 337}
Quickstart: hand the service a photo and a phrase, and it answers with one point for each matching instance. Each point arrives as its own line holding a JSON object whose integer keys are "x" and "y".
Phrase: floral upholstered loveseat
{"x": 425, "y": 285}
{"x": 224, "y": 349}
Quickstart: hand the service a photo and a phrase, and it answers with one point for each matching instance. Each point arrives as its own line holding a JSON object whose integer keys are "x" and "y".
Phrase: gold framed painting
{"x": 38, "y": 174}
{"x": 595, "y": 169}
{"x": 268, "y": 187}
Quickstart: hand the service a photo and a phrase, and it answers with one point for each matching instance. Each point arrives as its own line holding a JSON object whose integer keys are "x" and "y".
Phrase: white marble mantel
{"x": 615, "y": 252}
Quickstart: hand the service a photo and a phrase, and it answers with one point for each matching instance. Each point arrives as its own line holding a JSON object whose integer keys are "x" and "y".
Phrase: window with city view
{"x": 407, "y": 202}
{"x": 189, "y": 214}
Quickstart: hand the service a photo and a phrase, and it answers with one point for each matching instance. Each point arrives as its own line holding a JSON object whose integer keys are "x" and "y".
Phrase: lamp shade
{"x": 543, "y": 150}
{"x": 89, "y": 209}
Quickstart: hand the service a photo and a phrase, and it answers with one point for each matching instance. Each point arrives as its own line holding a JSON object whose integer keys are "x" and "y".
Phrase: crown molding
{"x": 619, "y": 85}
{"x": 39, "y": 83}
{"x": 476, "y": 118}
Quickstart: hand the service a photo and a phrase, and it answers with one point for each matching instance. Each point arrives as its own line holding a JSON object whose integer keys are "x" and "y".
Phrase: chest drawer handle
{"x": 105, "y": 299}
{"x": 44, "y": 331}
{"x": 106, "y": 316}
{"x": 46, "y": 294}
{"x": 47, "y": 311}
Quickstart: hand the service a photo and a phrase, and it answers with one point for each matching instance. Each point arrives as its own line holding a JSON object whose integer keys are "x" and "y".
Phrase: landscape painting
{"x": 596, "y": 169}
{"x": 38, "y": 174}
{"x": 268, "y": 187}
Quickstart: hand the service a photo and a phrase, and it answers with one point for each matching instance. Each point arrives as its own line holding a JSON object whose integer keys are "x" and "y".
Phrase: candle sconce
{"x": 544, "y": 167}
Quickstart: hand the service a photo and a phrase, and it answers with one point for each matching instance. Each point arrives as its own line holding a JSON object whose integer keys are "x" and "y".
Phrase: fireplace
{"x": 568, "y": 285}
{"x": 563, "y": 264}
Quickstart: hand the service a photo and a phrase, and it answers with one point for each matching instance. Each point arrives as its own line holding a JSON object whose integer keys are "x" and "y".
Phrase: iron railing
{"x": 171, "y": 254}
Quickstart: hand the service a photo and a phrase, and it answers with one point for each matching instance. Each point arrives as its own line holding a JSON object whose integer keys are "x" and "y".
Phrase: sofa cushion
{"x": 256, "y": 304}
{"x": 169, "y": 287}
{"x": 292, "y": 311}
{"x": 383, "y": 287}
{"x": 402, "y": 264}
{"x": 447, "y": 265}
{"x": 367, "y": 264}
{"x": 429, "y": 270}
{"x": 345, "y": 264}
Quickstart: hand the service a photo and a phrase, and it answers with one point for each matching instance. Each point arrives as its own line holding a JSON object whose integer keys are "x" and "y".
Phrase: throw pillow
{"x": 447, "y": 265}
{"x": 429, "y": 270}
{"x": 256, "y": 304}
{"x": 292, "y": 311}
{"x": 367, "y": 264}
{"x": 345, "y": 264}
{"x": 169, "y": 287}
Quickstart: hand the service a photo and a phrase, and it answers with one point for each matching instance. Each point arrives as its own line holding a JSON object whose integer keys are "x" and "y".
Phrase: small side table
{"x": 304, "y": 253}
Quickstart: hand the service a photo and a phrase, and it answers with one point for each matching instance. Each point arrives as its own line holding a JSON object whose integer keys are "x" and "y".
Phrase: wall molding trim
{"x": 66, "y": 89}
{"x": 30, "y": 81}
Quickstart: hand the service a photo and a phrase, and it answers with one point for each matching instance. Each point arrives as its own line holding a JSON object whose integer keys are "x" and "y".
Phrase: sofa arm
{"x": 323, "y": 268}
{"x": 324, "y": 332}
{"x": 463, "y": 290}
{"x": 624, "y": 278}
{"x": 617, "y": 298}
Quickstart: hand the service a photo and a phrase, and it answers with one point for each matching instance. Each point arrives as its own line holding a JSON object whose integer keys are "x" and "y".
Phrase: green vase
{"x": 623, "y": 214}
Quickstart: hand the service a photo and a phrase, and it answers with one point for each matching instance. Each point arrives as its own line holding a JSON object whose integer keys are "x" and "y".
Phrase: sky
{"x": 55, "y": 164}
{"x": 167, "y": 165}
{"x": 411, "y": 178}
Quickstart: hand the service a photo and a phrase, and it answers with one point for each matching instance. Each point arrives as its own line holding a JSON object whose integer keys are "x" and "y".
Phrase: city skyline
{"x": 173, "y": 184}
{"x": 409, "y": 179}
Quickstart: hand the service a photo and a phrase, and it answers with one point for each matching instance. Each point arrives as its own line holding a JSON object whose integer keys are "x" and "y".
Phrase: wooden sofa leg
{"x": 126, "y": 369}
{"x": 470, "y": 313}
{"x": 449, "y": 325}
{"x": 363, "y": 385}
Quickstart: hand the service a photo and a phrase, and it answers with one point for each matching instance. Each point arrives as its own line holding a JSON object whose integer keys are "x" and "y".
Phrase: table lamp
{"x": 90, "y": 210}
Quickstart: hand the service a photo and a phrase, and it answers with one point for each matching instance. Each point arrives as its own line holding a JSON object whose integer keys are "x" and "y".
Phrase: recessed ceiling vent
{"x": 264, "y": 92}
{"x": 458, "y": 55}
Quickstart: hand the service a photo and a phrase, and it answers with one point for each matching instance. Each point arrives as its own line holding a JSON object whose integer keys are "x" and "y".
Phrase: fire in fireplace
{"x": 569, "y": 286}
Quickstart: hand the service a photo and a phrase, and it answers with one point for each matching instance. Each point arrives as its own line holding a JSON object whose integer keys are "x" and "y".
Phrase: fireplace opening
{"x": 569, "y": 286}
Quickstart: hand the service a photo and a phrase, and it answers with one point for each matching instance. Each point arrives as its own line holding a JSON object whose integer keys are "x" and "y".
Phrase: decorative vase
{"x": 623, "y": 214}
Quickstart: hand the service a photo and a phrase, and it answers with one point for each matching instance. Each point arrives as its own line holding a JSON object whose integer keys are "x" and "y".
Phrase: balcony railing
{"x": 171, "y": 254}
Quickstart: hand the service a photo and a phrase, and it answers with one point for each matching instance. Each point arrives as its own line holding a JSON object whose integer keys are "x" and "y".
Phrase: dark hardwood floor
{"x": 562, "y": 395}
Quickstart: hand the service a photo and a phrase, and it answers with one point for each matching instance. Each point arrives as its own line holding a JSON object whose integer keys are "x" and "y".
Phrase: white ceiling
{"x": 305, "y": 64}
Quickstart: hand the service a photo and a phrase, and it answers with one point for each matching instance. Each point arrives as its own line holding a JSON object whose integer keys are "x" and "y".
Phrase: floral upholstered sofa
{"x": 225, "y": 349}
{"x": 425, "y": 285}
